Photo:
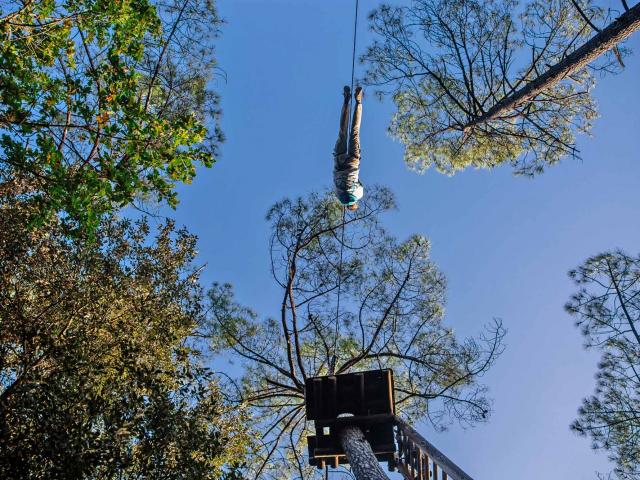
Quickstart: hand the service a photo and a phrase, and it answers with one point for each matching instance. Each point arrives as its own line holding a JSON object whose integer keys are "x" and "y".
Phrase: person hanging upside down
{"x": 346, "y": 164}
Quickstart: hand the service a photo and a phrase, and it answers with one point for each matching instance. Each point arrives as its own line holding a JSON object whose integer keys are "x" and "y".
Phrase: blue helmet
{"x": 347, "y": 198}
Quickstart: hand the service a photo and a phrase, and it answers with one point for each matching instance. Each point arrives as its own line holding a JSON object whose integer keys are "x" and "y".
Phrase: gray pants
{"x": 347, "y": 157}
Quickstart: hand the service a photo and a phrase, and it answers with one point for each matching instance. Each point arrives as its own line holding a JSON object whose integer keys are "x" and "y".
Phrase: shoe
{"x": 358, "y": 95}
{"x": 347, "y": 93}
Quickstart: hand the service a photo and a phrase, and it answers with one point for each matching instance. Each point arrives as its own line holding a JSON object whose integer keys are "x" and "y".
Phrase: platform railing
{"x": 417, "y": 459}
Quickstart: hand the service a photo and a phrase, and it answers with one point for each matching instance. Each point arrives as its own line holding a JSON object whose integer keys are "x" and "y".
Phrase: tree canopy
{"x": 482, "y": 83}
{"x": 103, "y": 101}
{"x": 607, "y": 308}
{"x": 390, "y": 316}
{"x": 101, "y": 373}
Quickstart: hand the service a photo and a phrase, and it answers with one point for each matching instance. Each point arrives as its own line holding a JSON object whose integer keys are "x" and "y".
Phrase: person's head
{"x": 350, "y": 199}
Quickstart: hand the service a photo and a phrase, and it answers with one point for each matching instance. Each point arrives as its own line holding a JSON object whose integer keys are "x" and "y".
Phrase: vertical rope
{"x": 332, "y": 364}
{"x": 353, "y": 58}
{"x": 332, "y": 367}
{"x": 355, "y": 36}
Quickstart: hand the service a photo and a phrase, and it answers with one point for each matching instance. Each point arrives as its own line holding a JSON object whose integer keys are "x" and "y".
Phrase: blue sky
{"x": 505, "y": 243}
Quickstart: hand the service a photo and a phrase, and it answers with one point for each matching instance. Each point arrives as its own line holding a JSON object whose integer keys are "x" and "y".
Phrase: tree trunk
{"x": 605, "y": 40}
{"x": 364, "y": 463}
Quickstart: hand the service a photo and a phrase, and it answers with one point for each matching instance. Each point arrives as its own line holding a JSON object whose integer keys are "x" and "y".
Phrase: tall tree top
{"x": 105, "y": 102}
{"x": 390, "y": 316}
{"x": 482, "y": 83}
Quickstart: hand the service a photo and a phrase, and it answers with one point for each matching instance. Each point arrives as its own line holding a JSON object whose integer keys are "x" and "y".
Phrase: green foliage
{"x": 607, "y": 308}
{"x": 447, "y": 64}
{"x": 100, "y": 373}
{"x": 103, "y": 101}
{"x": 391, "y": 316}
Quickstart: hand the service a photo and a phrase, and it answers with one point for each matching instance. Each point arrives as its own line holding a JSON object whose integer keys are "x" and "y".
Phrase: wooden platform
{"x": 362, "y": 399}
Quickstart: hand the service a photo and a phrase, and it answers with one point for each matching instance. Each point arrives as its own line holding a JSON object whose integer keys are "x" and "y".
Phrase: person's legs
{"x": 341, "y": 143}
{"x": 354, "y": 140}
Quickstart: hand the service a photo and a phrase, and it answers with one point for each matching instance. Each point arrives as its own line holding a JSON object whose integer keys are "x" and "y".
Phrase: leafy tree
{"x": 607, "y": 308}
{"x": 390, "y": 316}
{"x": 100, "y": 372}
{"x": 103, "y": 101}
{"x": 482, "y": 83}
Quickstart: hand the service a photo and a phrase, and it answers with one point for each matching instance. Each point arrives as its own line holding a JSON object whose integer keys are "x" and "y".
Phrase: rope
{"x": 332, "y": 365}
{"x": 353, "y": 56}
{"x": 353, "y": 59}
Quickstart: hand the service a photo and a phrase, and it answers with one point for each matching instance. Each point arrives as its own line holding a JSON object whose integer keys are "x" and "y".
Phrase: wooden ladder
{"x": 417, "y": 459}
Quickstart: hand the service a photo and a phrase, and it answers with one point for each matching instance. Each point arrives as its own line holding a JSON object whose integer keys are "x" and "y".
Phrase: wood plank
{"x": 427, "y": 469}
{"x": 437, "y": 457}
{"x": 390, "y": 390}
{"x": 366, "y": 420}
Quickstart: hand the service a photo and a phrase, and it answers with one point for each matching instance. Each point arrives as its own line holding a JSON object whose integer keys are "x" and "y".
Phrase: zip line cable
{"x": 332, "y": 365}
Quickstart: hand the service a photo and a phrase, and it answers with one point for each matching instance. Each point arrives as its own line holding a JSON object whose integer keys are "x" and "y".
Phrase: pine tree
{"x": 607, "y": 309}
{"x": 482, "y": 83}
{"x": 390, "y": 316}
